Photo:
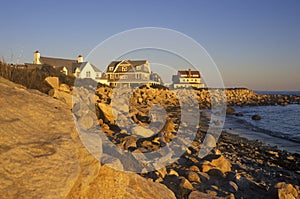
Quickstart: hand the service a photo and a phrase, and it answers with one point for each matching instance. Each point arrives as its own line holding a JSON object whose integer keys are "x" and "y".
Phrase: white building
{"x": 70, "y": 67}
{"x": 186, "y": 79}
{"x": 87, "y": 70}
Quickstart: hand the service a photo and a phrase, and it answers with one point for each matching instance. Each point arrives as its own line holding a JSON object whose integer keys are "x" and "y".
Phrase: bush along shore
{"x": 234, "y": 168}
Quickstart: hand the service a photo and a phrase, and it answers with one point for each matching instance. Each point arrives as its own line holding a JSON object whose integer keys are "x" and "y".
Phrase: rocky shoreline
{"x": 235, "y": 168}
{"x": 205, "y": 97}
{"x": 42, "y": 157}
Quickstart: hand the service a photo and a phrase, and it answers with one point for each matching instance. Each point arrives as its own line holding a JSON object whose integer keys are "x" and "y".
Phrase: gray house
{"x": 128, "y": 73}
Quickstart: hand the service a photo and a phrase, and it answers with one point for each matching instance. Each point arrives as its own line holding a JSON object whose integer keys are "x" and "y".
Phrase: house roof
{"x": 95, "y": 68}
{"x": 58, "y": 62}
{"x": 76, "y": 65}
{"x": 133, "y": 63}
{"x": 82, "y": 65}
{"x": 189, "y": 73}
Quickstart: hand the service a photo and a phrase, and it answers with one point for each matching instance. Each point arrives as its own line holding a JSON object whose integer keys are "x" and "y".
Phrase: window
{"x": 123, "y": 77}
{"x": 138, "y": 67}
{"x": 138, "y": 76}
{"x": 111, "y": 76}
{"x": 111, "y": 68}
{"x": 88, "y": 74}
{"x": 124, "y": 68}
{"x": 117, "y": 75}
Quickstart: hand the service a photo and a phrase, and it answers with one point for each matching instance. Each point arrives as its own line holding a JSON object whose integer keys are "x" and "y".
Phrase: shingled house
{"x": 128, "y": 73}
{"x": 76, "y": 68}
{"x": 186, "y": 79}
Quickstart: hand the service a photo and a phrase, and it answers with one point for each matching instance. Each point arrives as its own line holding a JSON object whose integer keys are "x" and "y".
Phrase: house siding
{"x": 89, "y": 72}
{"x": 188, "y": 78}
{"x": 128, "y": 72}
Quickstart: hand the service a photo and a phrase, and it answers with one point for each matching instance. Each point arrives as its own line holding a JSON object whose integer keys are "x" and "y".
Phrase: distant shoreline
{"x": 294, "y": 93}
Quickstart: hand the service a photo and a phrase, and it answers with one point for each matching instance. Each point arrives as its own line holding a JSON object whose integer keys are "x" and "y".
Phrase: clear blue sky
{"x": 255, "y": 44}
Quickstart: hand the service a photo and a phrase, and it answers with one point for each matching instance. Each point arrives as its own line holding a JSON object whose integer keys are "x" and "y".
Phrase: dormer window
{"x": 138, "y": 67}
{"x": 124, "y": 68}
{"x": 111, "y": 68}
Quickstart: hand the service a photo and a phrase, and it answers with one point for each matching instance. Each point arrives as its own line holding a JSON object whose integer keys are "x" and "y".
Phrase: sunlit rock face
{"x": 41, "y": 155}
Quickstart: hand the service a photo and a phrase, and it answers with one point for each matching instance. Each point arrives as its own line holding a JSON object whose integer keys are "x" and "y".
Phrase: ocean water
{"x": 279, "y": 92}
{"x": 279, "y": 125}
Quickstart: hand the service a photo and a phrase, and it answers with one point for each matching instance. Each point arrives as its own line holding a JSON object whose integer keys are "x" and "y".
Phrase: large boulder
{"x": 106, "y": 113}
{"x": 286, "y": 191}
{"x": 38, "y": 156}
{"x": 111, "y": 183}
{"x": 142, "y": 131}
{"x": 256, "y": 117}
{"x": 218, "y": 162}
{"x": 41, "y": 155}
{"x": 230, "y": 110}
{"x": 222, "y": 163}
{"x": 53, "y": 82}
{"x": 198, "y": 195}
{"x": 64, "y": 88}
{"x": 62, "y": 96}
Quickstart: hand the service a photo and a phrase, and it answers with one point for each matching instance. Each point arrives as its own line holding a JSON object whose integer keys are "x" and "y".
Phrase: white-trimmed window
{"x": 124, "y": 68}
{"x": 111, "y": 68}
{"x": 138, "y": 67}
{"x": 88, "y": 74}
{"x": 138, "y": 76}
